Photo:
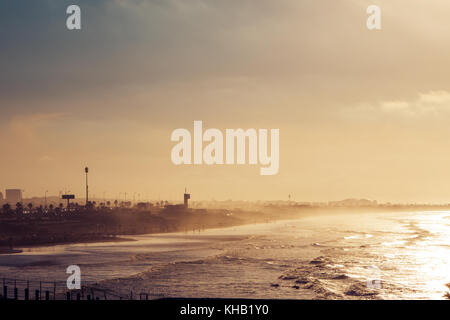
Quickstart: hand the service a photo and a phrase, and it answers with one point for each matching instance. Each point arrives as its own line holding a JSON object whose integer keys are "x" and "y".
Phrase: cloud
{"x": 26, "y": 129}
{"x": 425, "y": 105}
{"x": 395, "y": 106}
{"x": 319, "y": 44}
{"x": 436, "y": 98}
{"x": 169, "y": 57}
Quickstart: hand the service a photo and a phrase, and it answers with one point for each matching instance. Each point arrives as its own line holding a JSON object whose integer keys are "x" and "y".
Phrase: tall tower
{"x": 187, "y": 196}
{"x": 87, "y": 188}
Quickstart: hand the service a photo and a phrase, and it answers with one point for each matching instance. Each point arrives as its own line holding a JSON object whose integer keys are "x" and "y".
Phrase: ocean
{"x": 400, "y": 255}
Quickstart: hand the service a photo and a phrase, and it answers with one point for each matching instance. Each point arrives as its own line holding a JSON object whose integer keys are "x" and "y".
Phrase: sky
{"x": 361, "y": 113}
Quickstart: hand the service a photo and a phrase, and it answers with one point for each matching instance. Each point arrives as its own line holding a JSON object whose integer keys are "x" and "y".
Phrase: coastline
{"x": 6, "y": 251}
{"x": 247, "y": 218}
{"x": 116, "y": 226}
{"x": 9, "y": 251}
{"x": 146, "y": 224}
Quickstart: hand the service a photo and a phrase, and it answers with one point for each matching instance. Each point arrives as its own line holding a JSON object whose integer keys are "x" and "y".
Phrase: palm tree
{"x": 19, "y": 208}
{"x": 6, "y": 208}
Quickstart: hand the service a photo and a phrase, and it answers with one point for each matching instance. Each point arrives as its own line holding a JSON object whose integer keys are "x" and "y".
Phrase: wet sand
{"x": 9, "y": 251}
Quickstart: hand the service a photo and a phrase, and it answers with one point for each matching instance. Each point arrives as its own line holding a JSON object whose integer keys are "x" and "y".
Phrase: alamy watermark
{"x": 74, "y": 280}
{"x": 215, "y": 152}
{"x": 73, "y": 21}
{"x": 374, "y": 278}
{"x": 374, "y": 20}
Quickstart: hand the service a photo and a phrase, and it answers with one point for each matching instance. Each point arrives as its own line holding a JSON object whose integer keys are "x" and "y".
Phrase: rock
{"x": 275, "y": 285}
{"x": 302, "y": 281}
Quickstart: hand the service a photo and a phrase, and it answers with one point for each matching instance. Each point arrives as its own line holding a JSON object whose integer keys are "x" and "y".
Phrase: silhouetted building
{"x": 143, "y": 205}
{"x": 13, "y": 196}
{"x": 174, "y": 208}
{"x": 187, "y": 196}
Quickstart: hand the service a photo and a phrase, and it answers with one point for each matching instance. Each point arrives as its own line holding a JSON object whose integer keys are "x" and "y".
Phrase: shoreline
{"x": 189, "y": 225}
{"x": 5, "y": 251}
{"x": 19, "y": 249}
{"x": 122, "y": 238}
{"x": 115, "y": 227}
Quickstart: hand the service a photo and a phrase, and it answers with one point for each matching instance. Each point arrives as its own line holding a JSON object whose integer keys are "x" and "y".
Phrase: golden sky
{"x": 361, "y": 113}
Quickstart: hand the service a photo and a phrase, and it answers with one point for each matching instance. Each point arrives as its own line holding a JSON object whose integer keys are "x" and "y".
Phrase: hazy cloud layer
{"x": 355, "y": 107}
{"x": 320, "y": 45}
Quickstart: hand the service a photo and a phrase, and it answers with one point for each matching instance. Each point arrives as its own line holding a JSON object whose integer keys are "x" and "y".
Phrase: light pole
{"x": 87, "y": 188}
{"x": 45, "y": 199}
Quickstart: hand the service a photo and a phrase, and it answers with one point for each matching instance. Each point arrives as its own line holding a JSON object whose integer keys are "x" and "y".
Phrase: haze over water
{"x": 323, "y": 256}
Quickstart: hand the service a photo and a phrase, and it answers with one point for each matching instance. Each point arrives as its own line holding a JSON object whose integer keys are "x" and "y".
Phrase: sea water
{"x": 402, "y": 255}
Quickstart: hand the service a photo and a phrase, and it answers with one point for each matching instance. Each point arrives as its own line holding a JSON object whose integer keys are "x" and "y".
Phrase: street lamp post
{"x": 87, "y": 188}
